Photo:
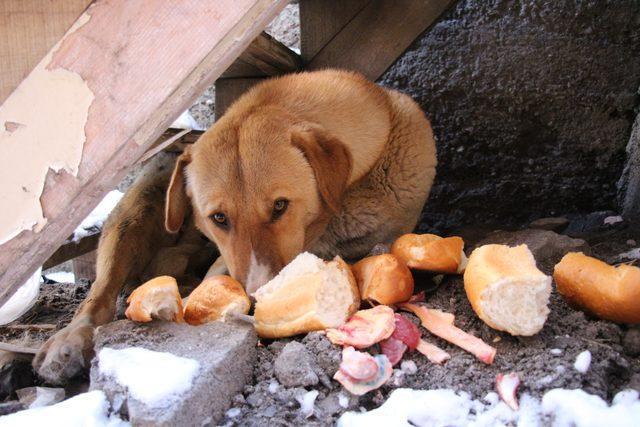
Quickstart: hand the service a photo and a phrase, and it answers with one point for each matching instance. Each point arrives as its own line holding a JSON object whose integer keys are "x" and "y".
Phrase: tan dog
{"x": 323, "y": 161}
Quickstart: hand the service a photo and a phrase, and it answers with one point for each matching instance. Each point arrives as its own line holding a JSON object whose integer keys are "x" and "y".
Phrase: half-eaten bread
{"x": 506, "y": 289}
{"x": 156, "y": 299}
{"x": 309, "y": 294}
{"x": 431, "y": 253}
{"x": 214, "y": 299}
{"x": 383, "y": 279}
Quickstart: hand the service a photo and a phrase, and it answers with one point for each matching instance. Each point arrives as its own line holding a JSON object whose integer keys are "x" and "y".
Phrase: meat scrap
{"x": 434, "y": 353}
{"x": 358, "y": 364}
{"x": 507, "y": 385}
{"x": 364, "y": 328}
{"x": 405, "y": 336}
{"x": 440, "y": 324}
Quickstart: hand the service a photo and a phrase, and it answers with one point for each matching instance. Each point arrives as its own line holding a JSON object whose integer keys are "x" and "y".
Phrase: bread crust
{"x": 610, "y": 293}
{"x": 429, "y": 252}
{"x": 383, "y": 279}
{"x": 293, "y": 309}
{"x": 214, "y": 298}
{"x": 149, "y": 301}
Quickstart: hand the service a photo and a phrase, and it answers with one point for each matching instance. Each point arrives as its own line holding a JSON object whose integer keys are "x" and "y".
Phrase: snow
{"x": 307, "y": 402}
{"x": 233, "y": 412}
{"x": 343, "y": 401}
{"x": 610, "y": 220}
{"x": 21, "y": 301}
{"x": 86, "y": 409}
{"x": 408, "y": 367}
{"x": 583, "y": 361}
{"x": 555, "y": 351}
{"x": 273, "y": 387}
{"x": 444, "y": 407}
{"x": 580, "y": 409}
{"x": 186, "y": 121}
{"x": 632, "y": 254}
{"x": 61, "y": 277}
{"x": 97, "y": 216}
{"x": 154, "y": 378}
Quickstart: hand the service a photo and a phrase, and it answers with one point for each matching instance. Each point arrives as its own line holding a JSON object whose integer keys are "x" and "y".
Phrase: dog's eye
{"x": 279, "y": 207}
{"x": 220, "y": 219}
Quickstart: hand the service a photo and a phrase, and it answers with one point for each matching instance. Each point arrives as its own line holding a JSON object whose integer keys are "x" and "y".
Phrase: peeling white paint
{"x": 38, "y": 133}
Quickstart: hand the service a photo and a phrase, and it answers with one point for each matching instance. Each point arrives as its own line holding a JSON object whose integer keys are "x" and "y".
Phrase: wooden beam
{"x": 84, "y": 267}
{"x": 264, "y": 57}
{"x": 116, "y": 60}
{"x": 228, "y": 90}
{"x": 28, "y": 29}
{"x": 321, "y": 20}
{"x": 70, "y": 250}
{"x": 378, "y": 35}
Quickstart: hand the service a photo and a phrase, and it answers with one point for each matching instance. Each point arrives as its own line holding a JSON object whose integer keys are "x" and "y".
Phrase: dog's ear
{"x": 177, "y": 201}
{"x": 330, "y": 160}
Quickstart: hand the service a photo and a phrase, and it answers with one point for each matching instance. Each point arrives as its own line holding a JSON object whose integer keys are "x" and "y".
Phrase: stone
{"x": 551, "y": 223}
{"x": 10, "y": 407}
{"x": 631, "y": 342}
{"x": 327, "y": 355}
{"x": 547, "y": 246}
{"x": 35, "y": 397}
{"x": 295, "y": 366}
{"x": 226, "y": 353}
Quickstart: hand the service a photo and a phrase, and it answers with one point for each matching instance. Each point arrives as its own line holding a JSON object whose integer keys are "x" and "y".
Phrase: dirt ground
{"x": 615, "y": 349}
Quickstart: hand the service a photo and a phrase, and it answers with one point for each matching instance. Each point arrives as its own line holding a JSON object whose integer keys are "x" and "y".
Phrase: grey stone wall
{"x": 532, "y": 103}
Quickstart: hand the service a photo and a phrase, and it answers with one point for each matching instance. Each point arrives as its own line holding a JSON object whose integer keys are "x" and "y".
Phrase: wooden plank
{"x": 118, "y": 51}
{"x": 378, "y": 35}
{"x": 321, "y": 20}
{"x": 71, "y": 250}
{"x": 264, "y": 57}
{"x": 228, "y": 90}
{"x": 84, "y": 267}
{"x": 28, "y": 29}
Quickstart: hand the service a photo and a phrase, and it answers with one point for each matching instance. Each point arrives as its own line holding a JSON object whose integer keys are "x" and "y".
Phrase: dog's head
{"x": 262, "y": 187}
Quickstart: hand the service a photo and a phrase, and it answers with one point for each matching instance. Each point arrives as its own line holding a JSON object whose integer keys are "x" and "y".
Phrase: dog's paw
{"x": 66, "y": 354}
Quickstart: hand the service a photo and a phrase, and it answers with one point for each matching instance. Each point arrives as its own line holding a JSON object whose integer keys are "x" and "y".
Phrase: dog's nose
{"x": 258, "y": 274}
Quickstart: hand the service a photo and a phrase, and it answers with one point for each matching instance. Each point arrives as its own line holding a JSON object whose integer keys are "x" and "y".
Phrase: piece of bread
{"x": 507, "y": 290}
{"x": 214, "y": 299}
{"x": 431, "y": 252}
{"x": 611, "y": 293}
{"x": 309, "y": 294}
{"x": 156, "y": 299}
{"x": 383, "y": 279}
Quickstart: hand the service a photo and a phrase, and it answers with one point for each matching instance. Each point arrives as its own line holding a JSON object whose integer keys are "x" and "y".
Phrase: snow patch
{"x": 307, "y": 402}
{"x": 186, "y": 121}
{"x": 632, "y": 254}
{"x": 408, "y": 367}
{"x": 343, "y": 401}
{"x": 583, "y": 361}
{"x": 610, "y": 220}
{"x": 61, "y": 277}
{"x": 444, "y": 407}
{"x": 555, "y": 351}
{"x": 86, "y": 409}
{"x": 94, "y": 221}
{"x": 22, "y": 300}
{"x": 154, "y": 378}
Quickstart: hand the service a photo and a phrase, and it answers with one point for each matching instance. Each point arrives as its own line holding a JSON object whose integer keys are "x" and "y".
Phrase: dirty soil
{"x": 284, "y": 373}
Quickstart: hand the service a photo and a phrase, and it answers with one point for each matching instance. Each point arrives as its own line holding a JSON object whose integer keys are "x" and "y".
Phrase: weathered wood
{"x": 28, "y": 29}
{"x": 34, "y": 326}
{"x": 228, "y": 90}
{"x": 84, "y": 267}
{"x": 14, "y": 348}
{"x": 119, "y": 51}
{"x": 71, "y": 250}
{"x": 378, "y": 35}
{"x": 264, "y": 57}
{"x": 321, "y": 20}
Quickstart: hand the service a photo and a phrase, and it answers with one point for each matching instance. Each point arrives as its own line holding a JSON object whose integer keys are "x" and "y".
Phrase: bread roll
{"x": 431, "y": 252}
{"x": 214, "y": 299}
{"x": 383, "y": 279}
{"x": 309, "y": 294}
{"x": 507, "y": 290}
{"x": 611, "y": 293}
{"x": 156, "y": 299}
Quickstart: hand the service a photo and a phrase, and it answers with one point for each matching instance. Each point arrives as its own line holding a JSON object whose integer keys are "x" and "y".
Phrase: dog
{"x": 322, "y": 161}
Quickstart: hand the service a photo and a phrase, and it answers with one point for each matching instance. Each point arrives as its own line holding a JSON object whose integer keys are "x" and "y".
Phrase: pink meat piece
{"x": 439, "y": 323}
{"x": 393, "y": 348}
{"x": 406, "y": 332}
{"x": 434, "y": 353}
{"x": 364, "y": 328}
{"x": 358, "y": 365}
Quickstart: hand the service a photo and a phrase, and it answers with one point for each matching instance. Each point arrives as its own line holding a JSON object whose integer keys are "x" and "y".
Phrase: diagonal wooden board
{"x": 376, "y": 34}
{"x": 144, "y": 62}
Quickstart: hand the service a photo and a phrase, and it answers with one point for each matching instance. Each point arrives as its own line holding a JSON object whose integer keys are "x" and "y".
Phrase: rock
{"x": 551, "y": 223}
{"x": 634, "y": 382}
{"x": 295, "y": 366}
{"x": 631, "y": 342}
{"x": 15, "y": 373}
{"x": 226, "y": 354}
{"x": 327, "y": 355}
{"x": 590, "y": 223}
{"x": 35, "y": 397}
{"x": 547, "y": 246}
{"x": 10, "y": 407}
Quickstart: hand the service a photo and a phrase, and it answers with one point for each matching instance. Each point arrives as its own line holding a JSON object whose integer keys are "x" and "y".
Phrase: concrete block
{"x": 226, "y": 353}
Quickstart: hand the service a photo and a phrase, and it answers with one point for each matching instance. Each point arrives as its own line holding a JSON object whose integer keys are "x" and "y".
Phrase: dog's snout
{"x": 258, "y": 274}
